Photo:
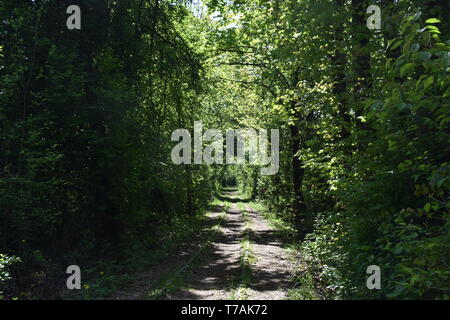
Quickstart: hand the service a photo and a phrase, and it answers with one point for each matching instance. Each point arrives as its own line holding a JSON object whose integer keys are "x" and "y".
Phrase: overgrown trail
{"x": 245, "y": 261}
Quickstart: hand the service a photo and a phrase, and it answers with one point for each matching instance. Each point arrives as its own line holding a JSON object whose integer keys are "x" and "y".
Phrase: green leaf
{"x": 432, "y": 20}
{"x": 404, "y": 70}
{"x": 434, "y": 31}
{"x": 396, "y": 44}
{"x": 398, "y": 291}
{"x": 428, "y": 82}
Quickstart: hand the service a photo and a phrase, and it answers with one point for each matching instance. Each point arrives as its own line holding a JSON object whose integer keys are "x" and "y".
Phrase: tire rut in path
{"x": 214, "y": 273}
{"x": 271, "y": 272}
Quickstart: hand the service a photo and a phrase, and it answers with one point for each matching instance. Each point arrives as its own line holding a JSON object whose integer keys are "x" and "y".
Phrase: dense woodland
{"x": 86, "y": 117}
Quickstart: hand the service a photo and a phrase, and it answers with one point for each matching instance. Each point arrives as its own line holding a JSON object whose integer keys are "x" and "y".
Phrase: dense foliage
{"x": 86, "y": 118}
{"x": 364, "y": 174}
{"x": 85, "y": 166}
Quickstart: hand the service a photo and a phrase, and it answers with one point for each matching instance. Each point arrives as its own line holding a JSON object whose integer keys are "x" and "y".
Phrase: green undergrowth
{"x": 104, "y": 279}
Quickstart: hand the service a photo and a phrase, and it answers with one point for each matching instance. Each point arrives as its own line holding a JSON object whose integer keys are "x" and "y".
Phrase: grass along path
{"x": 247, "y": 258}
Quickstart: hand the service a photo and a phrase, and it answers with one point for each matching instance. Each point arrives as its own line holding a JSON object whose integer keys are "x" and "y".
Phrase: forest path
{"x": 237, "y": 256}
{"x": 246, "y": 260}
{"x": 214, "y": 273}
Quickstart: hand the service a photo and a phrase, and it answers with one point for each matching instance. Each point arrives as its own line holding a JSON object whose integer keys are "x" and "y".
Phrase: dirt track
{"x": 214, "y": 272}
{"x": 212, "y": 278}
{"x": 216, "y": 275}
{"x": 271, "y": 272}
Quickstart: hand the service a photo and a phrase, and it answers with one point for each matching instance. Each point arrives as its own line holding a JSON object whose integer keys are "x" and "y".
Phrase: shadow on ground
{"x": 230, "y": 197}
{"x": 216, "y": 272}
